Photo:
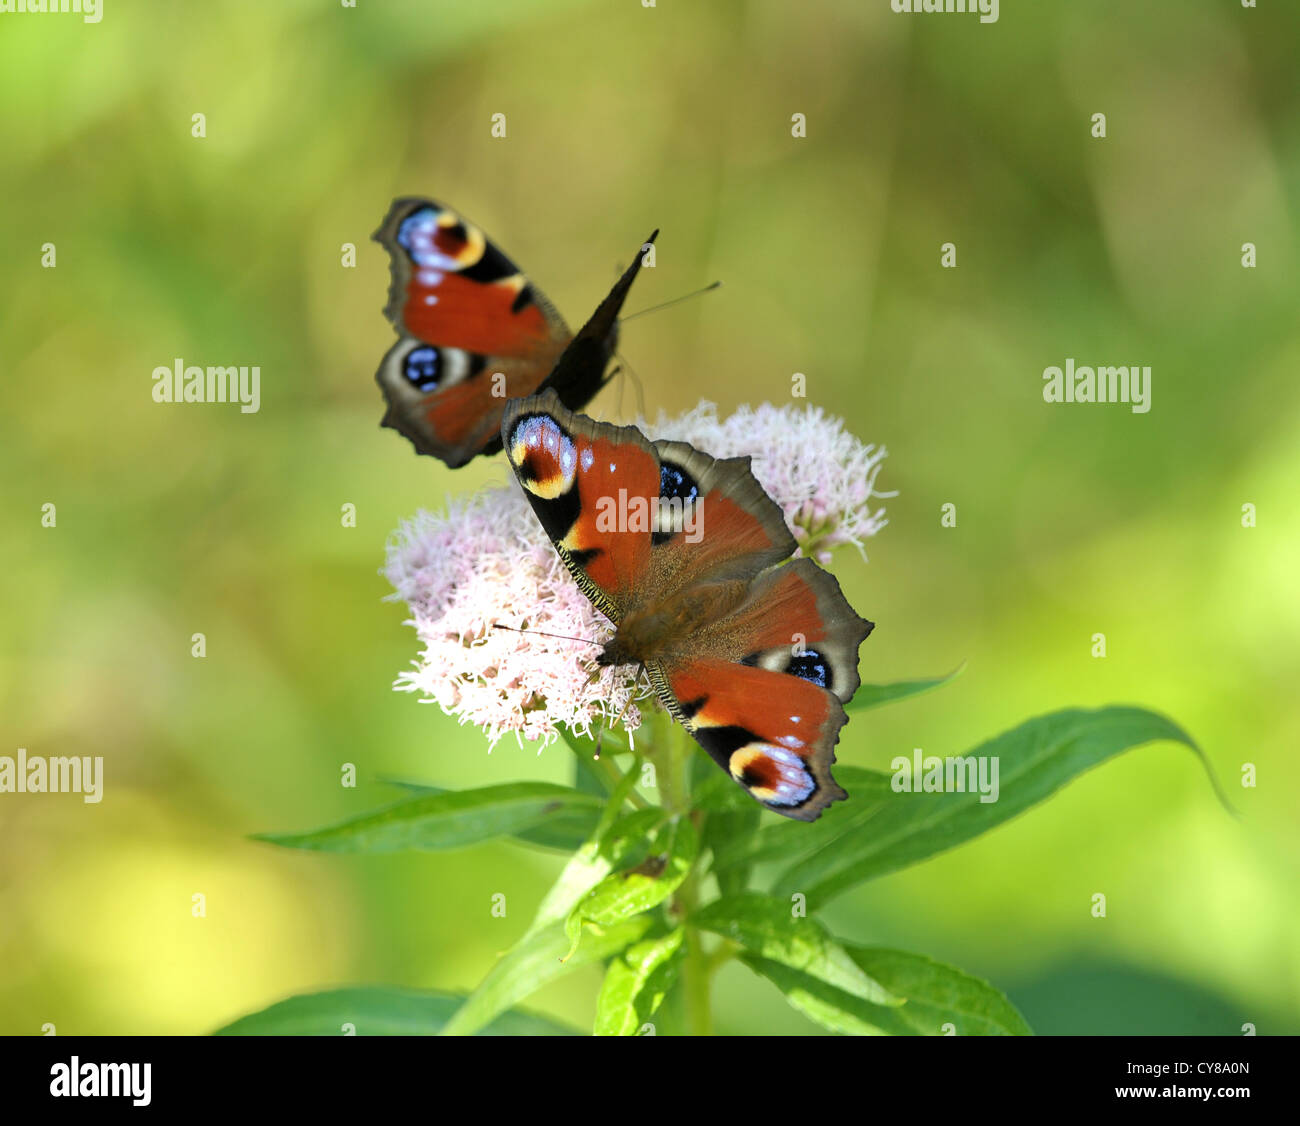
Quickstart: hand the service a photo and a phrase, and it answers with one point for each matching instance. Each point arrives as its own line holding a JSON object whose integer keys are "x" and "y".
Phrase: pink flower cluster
{"x": 484, "y": 563}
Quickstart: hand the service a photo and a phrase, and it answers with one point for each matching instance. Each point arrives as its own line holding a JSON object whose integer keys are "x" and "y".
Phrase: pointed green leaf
{"x": 636, "y": 982}
{"x": 873, "y": 695}
{"x": 533, "y": 963}
{"x": 937, "y": 1000}
{"x": 564, "y": 831}
{"x": 770, "y": 929}
{"x": 1034, "y": 760}
{"x": 448, "y": 820}
{"x": 826, "y": 1004}
{"x": 378, "y": 1011}
{"x": 937, "y": 995}
{"x": 630, "y": 890}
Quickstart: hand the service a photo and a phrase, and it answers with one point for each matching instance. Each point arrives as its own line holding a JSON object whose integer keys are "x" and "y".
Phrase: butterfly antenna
{"x": 630, "y": 697}
{"x": 543, "y": 633}
{"x": 636, "y": 379}
{"x": 668, "y": 304}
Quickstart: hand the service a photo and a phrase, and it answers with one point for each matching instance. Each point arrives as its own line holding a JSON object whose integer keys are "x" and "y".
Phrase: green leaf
{"x": 938, "y": 994}
{"x": 449, "y": 820}
{"x": 636, "y": 982}
{"x": 826, "y": 1004}
{"x": 564, "y": 831}
{"x": 378, "y": 1011}
{"x": 728, "y": 834}
{"x": 933, "y": 996}
{"x": 634, "y": 889}
{"x": 893, "y": 830}
{"x": 873, "y": 695}
{"x": 533, "y": 963}
{"x": 768, "y": 929}
{"x": 624, "y": 842}
{"x": 716, "y": 792}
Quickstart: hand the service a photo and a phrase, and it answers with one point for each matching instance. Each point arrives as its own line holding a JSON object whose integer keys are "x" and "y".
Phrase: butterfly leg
{"x": 631, "y": 695}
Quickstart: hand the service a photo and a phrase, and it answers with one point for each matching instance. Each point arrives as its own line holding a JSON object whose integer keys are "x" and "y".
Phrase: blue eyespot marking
{"x": 674, "y": 481}
{"x": 811, "y": 666}
{"x": 423, "y": 367}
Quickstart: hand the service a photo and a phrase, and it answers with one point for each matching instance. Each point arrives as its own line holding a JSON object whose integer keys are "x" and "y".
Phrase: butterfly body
{"x": 657, "y": 631}
{"x": 687, "y": 556}
{"x": 475, "y": 332}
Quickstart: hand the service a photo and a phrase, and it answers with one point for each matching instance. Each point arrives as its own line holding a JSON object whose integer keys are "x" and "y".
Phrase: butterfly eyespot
{"x": 423, "y": 367}
{"x": 417, "y": 228}
{"x": 543, "y": 455}
{"x": 678, "y": 498}
{"x": 675, "y": 482}
{"x": 811, "y": 666}
{"x": 772, "y": 774}
{"x": 435, "y": 247}
{"x": 454, "y": 232}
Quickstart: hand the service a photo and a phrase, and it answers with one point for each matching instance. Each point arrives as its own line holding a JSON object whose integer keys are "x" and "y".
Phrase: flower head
{"x": 485, "y": 563}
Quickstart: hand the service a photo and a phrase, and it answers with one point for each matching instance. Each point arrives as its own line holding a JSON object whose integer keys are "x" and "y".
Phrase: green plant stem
{"x": 606, "y": 766}
{"x": 722, "y": 955}
{"x": 672, "y": 756}
{"x": 697, "y": 970}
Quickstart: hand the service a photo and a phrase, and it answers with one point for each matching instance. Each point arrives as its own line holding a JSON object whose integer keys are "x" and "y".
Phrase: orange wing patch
{"x": 582, "y": 478}
{"x": 489, "y": 319}
{"x": 774, "y": 733}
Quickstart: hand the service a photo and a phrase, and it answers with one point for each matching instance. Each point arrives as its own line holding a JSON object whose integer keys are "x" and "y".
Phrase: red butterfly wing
{"x": 622, "y": 510}
{"x": 766, "y": 701}
{"x": 774, "y": 733}
{"x": 569, "y": 466}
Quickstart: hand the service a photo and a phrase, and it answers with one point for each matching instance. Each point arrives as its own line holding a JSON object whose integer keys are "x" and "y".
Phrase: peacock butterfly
{"x": 474, "y": 332}
{"x": 686, "y": 555}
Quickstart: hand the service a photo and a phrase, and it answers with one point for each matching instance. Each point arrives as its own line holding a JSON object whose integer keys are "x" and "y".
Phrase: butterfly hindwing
{"x": 774, "y": 734}
{"x": 797, "y": 621}
{"x": 754, "y": 657}
{"x": 767, "y": 702}
{"x": 473, "y": 333}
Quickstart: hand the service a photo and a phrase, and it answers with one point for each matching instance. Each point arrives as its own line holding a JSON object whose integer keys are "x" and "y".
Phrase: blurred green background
{"x": 1072, "y": 520}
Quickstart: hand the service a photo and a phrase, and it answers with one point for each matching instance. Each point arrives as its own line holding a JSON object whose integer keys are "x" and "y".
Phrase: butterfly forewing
{"x": 571, "y": 469}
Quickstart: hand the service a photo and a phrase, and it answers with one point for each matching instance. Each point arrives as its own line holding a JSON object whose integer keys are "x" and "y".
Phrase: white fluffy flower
{"x": 484, "y": 563}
